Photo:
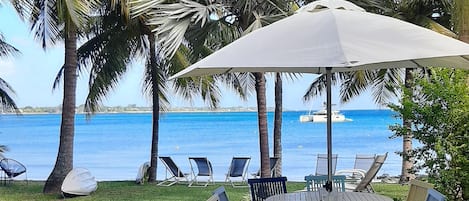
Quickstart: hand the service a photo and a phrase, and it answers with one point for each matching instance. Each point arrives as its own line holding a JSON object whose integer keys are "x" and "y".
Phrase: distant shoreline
{"x": 145, "y": 111}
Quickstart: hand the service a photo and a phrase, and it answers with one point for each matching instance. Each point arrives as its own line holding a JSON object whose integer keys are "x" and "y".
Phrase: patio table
{"x": 314, "y": 196}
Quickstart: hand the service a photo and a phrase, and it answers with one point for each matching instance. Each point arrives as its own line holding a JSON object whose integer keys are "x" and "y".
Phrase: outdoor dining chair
{"x": 262, "y": 188}
{"x": 316, "y": 182}
{"x": 418, "y": 190}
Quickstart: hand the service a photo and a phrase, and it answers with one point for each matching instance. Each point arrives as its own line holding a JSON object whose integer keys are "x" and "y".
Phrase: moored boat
{"x": 321, "y": 116}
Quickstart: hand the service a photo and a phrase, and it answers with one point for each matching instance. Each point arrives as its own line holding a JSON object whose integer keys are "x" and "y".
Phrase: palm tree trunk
{"x": 262, "y": 121}
{"x": 278, "y": 124}
{"x": 407, "y": 161}
{"x": 64, "y": 162}
{"x": 462, "y": 16}
{"x": 156, "y": 109}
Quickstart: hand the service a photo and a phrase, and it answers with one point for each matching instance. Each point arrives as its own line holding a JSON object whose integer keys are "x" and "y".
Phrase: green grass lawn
{"x": 128, "y": 190}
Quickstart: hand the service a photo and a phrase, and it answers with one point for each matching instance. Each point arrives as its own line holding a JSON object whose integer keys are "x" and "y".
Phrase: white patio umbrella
{"x": 334, "y": 36}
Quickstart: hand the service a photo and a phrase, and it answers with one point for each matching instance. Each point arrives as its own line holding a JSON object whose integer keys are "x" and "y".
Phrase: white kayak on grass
{"x": 78, "y": 182}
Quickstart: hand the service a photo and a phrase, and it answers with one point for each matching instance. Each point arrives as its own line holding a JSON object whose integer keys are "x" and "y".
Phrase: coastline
{"x": 145, "y": 110}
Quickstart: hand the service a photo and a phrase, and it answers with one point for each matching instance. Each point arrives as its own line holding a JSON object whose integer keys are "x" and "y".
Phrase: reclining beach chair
{"x": 219, "y": 194}
{"x": 321, "y": 164}
{"x": 273, "y": 166}
{"x": 263, "y": 188}
{"x": 363, "y": 183}
{"x": 238, "y": 168}
{"x": 11, "y": 169}
{"x": 174, "y": 171}
{"x": 204, "y": 169}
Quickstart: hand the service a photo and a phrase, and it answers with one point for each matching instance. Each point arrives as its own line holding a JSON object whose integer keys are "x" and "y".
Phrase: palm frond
{"x": 141, "y": 7}
{"x": 23, "y": 8}
{"x": 45, "y": 23}
{"x": 173, "y": 20}
{"x": 242, "y": 83}
{"x": 7, "y": 50}
{"x": 157, "y": 74}
{"x": 354, "y": 83}
{"x": 108, "y": 54}
{"x": 386, "y": 85}
{"x": 318, "y": 86}
{"x": 6, "y": 94}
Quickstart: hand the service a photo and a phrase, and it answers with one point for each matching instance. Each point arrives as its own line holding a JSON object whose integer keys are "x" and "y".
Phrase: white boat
{"x": 321, "y": 116}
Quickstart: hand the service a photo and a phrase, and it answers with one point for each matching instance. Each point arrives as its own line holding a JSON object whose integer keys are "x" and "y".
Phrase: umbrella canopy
{"x": 317, "y": 37}
{"x": 334, "y": 36}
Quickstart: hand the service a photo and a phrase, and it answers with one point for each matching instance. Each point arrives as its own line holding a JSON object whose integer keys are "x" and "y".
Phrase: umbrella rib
{"x": 418, "y": 65}
{"x": 464, "y": 57}
{"x": 227, "y": 71}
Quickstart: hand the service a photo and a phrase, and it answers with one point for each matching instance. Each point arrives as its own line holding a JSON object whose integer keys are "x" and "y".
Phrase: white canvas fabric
{"x": 79, "y": 181}
{"x": 317, "y": 37}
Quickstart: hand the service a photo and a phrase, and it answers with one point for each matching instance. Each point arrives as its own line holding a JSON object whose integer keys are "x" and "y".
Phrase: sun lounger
{"x": 363, "y": 182}
{"x": 204, "y": 169}
{"x": 238, "y": 169}
{"x": 176, "y": 175}
{"x": 219, "y": 194}
{"x": 273, "y": 166}
{"x": 321, "y": 164}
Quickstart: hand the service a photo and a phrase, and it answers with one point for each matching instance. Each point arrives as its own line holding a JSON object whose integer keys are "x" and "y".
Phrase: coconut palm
{"x": 385, "y": 83}
{"x": 180, "y": 21}
{"x": 460, "y": 16}
{"x": 109, "y": 60}
{"x": 51, "y": 22}
{"x": 6, "y": 91}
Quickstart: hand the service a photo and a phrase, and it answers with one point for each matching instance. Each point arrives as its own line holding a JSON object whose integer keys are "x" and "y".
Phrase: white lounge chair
{"x": 362, "y": 182}
{"x": 321, "y": 164}
{"x": 364, "y": 161}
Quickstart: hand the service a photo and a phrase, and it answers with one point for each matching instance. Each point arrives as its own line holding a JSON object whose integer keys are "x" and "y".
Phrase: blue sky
{"x": 31, "y": 75}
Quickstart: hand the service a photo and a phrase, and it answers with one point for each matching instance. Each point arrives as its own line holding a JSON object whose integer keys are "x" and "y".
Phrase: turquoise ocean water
{"x": 113, "y": 146}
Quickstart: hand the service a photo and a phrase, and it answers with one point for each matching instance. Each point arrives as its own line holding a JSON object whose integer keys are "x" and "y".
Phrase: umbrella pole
{"x": 328, "y": 185}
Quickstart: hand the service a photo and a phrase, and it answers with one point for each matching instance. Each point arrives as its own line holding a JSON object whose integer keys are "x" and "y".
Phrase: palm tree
{"x": 385, "y": 82}
{"x": 460, "y": 15}
{"x": 278, "y": 123}
{"x": 109, "y": 60}
{"x": 175, "y": 23}
{"x": 53, "y": 21}
{"x": 6, "y": 91}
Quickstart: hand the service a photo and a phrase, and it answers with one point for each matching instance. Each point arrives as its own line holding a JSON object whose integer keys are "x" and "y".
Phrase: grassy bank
{"x": 128, "y": 190}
